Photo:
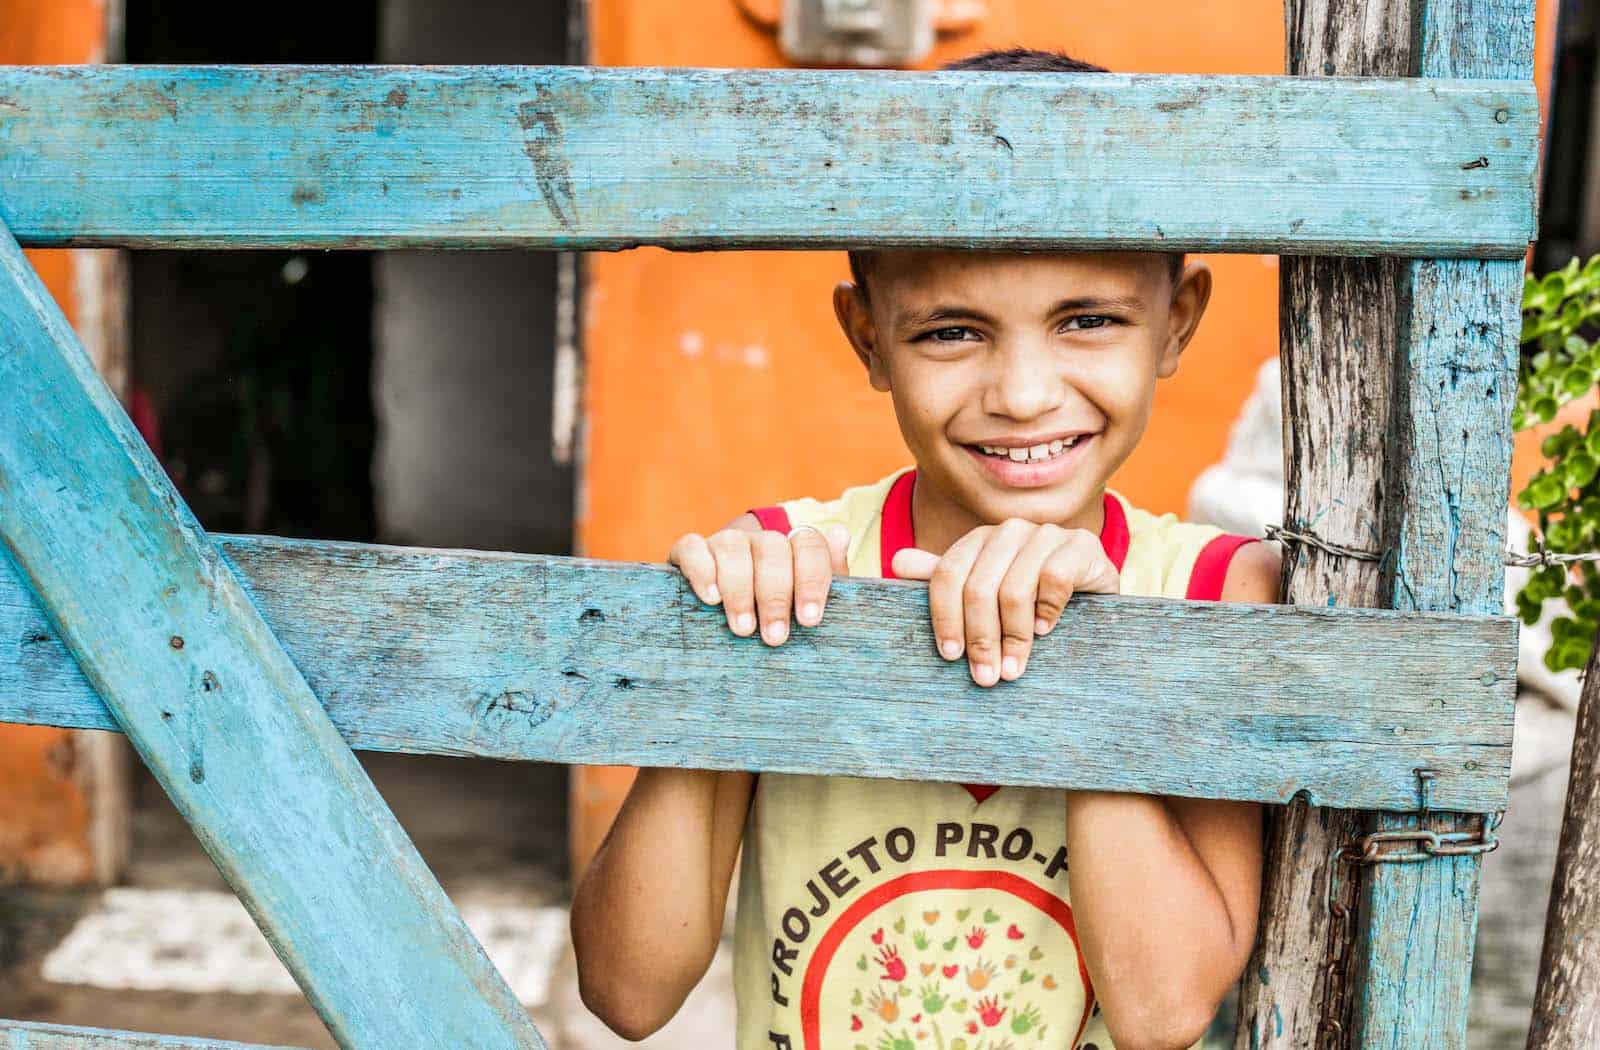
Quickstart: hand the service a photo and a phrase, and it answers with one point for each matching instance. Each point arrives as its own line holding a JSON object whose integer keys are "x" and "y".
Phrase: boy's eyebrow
{"x": 1099, "y": 302}
{"x": 915, "y": 318}
{"x": 957, "y": 312}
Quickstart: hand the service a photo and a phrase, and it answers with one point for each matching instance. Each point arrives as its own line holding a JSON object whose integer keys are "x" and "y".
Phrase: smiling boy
{"x": 885, "y": 915}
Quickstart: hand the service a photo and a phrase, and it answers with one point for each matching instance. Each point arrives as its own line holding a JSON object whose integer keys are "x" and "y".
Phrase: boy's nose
{"x": 1024, "y": 385}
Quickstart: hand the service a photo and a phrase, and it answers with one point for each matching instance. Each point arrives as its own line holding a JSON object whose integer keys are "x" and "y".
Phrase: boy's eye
{"x": 1085, "y": 321}
{"x": 953, "y": 334}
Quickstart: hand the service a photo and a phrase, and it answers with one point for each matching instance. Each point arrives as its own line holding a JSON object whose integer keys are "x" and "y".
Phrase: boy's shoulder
{"x": 855, "y": 508}
{"x": 1171, "y": 558}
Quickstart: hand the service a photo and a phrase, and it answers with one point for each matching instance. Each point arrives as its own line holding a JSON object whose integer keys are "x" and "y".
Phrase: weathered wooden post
{"x": 1398, "y": 382}
{"x": 1566, "y": 1010}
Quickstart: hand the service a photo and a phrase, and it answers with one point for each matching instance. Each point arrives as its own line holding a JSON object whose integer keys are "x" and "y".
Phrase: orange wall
{"x": 45, "y": 816}
{"x": 719, "y": 381}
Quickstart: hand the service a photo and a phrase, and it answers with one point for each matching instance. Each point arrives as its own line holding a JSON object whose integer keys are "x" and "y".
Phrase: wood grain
{"x": 576, "y": 158}
{"x": 1566, "y": 1009}
{"x": 1338, "y": 344}
{"x": 30, "y": 1035}
{"x": 164, "y": 633}
{"x": 567, "y": 660}
{"x": 1460, "y": 330}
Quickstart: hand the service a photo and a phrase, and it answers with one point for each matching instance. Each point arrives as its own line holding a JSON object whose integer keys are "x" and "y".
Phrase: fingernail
{"x": 1008, "y": 668}
{"x": 713, "y": 595}
{"x": 1041, "y": 626}
{"x": 744, "y": 623}
{"x": 984, "y": 674}
{"x": 776, "y": 632}
{"x": 810, "y": 612}
{"x": 949, "y": 648}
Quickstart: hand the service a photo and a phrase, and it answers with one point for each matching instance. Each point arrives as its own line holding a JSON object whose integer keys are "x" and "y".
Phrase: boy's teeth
{"x": 1032, "y": 453}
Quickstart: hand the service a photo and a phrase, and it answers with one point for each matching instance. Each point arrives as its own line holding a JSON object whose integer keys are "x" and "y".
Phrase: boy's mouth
{"x": 1039, "y": 453}
{"x": 1031, "y": 466}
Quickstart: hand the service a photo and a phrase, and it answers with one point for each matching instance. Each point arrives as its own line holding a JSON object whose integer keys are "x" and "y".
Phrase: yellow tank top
{"x": 891, "y": 915}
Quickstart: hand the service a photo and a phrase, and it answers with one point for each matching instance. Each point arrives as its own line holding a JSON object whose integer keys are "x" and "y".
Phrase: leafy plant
{"x": 1560, "y": 363}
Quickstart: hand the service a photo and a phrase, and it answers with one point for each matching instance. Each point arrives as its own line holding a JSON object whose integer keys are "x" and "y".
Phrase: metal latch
{"x": 861, "y": 32}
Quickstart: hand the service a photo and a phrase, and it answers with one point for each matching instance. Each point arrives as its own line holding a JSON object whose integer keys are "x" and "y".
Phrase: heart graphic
{"x": 928, "y": 968}
{"x": 951, "y": 970}
{"x": 1013, "y": 933}
{"x": 855, "y": 1023}
{"x": 877, "y": 937}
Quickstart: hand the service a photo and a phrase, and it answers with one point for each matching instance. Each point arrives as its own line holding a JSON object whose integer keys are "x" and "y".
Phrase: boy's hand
{"x": 761, "y": 576}
{"x": 999, "y": 586}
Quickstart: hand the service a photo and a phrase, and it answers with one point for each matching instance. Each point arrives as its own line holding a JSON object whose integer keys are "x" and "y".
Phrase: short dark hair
{"x": 1006, "y": 60}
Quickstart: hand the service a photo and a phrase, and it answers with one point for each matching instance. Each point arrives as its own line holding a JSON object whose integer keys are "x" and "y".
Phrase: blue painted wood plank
{"x": 573, "y": 157}
{"x": 164, "y": 632}
{"x": 30, "y": 1035}
{"x": 1457, "y": 386}
{"x": 565, "y": 660}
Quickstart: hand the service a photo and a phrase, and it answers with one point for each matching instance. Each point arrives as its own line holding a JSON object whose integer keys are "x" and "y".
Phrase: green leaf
{"x": 1528, "y": 609}
{"x": 1580, "y": 469}
{"x": 1577, "y": 381}
{"x": 1545, "y": 408}
{"x": 1557, "y": 445}
{"x": 1543, "y": 492}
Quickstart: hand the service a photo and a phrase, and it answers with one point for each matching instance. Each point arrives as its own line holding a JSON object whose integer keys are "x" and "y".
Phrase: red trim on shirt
{"x": 1114, "y": 537}
{"x": 1211, "y": 567}
{"x": 897, "y": 531}
{"x": 773, "y": 519}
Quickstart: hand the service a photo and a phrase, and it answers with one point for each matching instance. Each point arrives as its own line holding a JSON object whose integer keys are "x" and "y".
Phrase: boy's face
{"x": 1021, "y": 382}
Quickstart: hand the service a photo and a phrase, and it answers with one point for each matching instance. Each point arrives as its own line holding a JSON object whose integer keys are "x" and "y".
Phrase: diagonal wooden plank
{"x": 31, "y": 1035}
{"x": 578, "y": 158}
{"x": 166, "y": 635}
{"x": 566, "y": 660}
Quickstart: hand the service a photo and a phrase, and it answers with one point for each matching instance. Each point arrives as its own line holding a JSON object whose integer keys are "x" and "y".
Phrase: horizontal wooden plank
{"x": 570, "y": 158}
{"x": 566, "y": 660}
{"x": 30, "y": 1035}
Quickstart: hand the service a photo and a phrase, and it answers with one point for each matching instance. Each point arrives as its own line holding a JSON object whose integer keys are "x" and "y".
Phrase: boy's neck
{"x": 939, "y": 521}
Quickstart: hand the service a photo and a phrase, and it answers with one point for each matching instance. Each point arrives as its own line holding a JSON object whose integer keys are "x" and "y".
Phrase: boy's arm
{"x": 1165, "y": 891}
{"x": 647, "y": 914}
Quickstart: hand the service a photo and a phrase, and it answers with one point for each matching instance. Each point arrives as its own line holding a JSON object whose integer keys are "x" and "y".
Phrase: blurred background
{"x": 541, "y": 403}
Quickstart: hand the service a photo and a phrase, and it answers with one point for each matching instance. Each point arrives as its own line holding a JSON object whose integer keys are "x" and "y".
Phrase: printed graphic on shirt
{"x": 881, "y": 951}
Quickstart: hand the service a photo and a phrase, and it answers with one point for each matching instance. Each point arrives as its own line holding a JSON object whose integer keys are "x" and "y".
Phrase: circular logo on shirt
{"x": 948, "y": 960}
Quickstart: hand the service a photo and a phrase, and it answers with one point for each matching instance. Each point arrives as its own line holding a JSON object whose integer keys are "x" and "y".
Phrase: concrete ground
{"x": 185, "y": 963}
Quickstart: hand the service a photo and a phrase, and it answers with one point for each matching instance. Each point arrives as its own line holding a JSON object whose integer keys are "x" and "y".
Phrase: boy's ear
{"x": 1189, "y": 299}
{"x": 855, "y": 320}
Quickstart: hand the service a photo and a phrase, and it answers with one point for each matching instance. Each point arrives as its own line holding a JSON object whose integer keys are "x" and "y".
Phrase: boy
{"x": 883, "y": 915}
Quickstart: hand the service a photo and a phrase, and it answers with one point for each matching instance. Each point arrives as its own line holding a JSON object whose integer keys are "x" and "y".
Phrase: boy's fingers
{"x": 1019, "y": 591}
{"x": 693, "y": 558}
{"x": 945, "y": 584}
{"x": 912, "y": 563}
{"x": 812, "y": 575}
{"x": 980, "y": 602}
{"x": 838, "y": 538}
{"x": 1078, "y": 564}
{"x": 774, "y": 582}
{"x": 735, "y": 579}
